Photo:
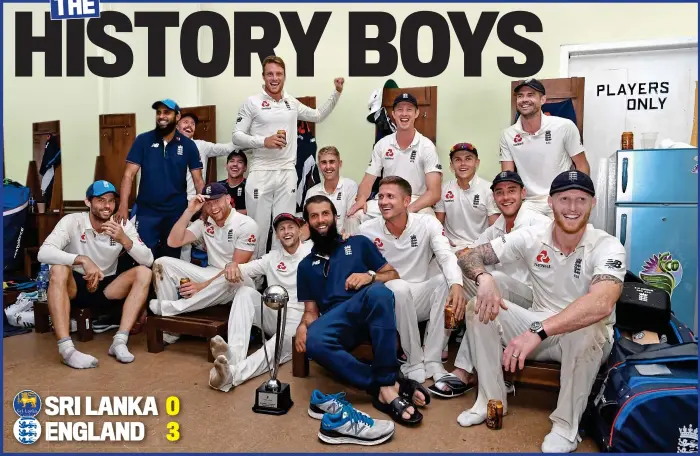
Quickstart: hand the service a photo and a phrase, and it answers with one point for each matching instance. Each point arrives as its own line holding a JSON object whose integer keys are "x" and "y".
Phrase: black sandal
{"x": 456, "y": 387}
{"x": 408, "y": 387}
{"x": 396, "y": 410}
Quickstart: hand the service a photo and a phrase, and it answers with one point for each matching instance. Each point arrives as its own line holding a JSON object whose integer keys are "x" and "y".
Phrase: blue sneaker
{"x": 355, "y": 427}
{"x": 321, "y": 404}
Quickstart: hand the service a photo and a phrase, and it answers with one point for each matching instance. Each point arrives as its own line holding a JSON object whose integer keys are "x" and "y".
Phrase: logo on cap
{"x": 504, "y": 174}
{"x": 208, "y": 190}
{"x": 405, "y": 95}
{"x": 573, "y": 176}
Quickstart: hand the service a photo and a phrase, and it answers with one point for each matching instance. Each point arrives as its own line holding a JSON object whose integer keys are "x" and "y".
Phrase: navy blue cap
{"x": 99, "y": 188}
{"x": 407, "y": 97}
{"x": 531, "y": 83}
{"x": 215, "y": 190}
{"x": 168, "y": 103}
{"x": 191, "y": 115}
{"x": 507, "y": 176}
{"x": 572, "y": 180}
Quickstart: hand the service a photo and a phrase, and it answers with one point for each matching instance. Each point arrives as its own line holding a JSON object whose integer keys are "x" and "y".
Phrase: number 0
{"x": 172, "y": 405}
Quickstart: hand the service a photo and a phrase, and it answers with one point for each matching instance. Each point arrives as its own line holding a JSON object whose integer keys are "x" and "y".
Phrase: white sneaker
{"x": 22, "y": 319}
{"x": 170, "y": 338}
{"x": 510, "y": 387}
{"x": 349, "y": 425}
{"x": 22, "y": 304}
{"x": 555, "y": 443}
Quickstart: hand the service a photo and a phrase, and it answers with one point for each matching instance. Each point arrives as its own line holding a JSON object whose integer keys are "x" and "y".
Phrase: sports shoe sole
{"x": 315, "y": 415}
{"x": 353, "y": 441}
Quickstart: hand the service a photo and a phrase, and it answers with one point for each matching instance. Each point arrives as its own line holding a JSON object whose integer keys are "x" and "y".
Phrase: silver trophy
{"x": 274, "y": 397}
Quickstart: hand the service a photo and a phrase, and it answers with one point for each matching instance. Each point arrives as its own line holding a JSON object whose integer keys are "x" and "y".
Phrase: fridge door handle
{"x": 625, "y": 173}
{"x": 623, "y": 228}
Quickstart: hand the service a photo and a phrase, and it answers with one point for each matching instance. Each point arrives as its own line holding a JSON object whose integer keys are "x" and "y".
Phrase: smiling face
{"x": 288, "y": 233}
{"x": 218, "y": 209}
{"x": 166, "y": 119}
{"x": 529, "y": 101}
{"x": 320, "y": 217}
{"x": 393, "y": 201}
{"x": 329, "y": 165}
{"x": 405, "y": 115}
{"x": 102, "y": 207}
{"x": 509, "y": 197}
{"x": 235, "y": 167}
{"x": 186, "y": 126}
{"x": 572, "y": 210}
{"x": 464, "y": 164}
{"x": 274, "y": 76}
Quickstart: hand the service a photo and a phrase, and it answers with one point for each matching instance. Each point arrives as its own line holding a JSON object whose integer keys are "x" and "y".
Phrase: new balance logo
{"x": 613, "y": 264}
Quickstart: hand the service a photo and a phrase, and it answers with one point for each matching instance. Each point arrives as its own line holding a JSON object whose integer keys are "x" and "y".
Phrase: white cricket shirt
{"x": 466, "y": 211}
{"x": 74, "y": 235}
{"x": 412, "y": 252}
{"x": 343, "y": 197}
{"x": 206, "y": 151}
{"x": 280, "y": 268}
{"x": 542, "y": 156}
{"x": 238, "y": 232}
{"x": 558, "y": 280}
{"x": 412, "y": 163}
{"x": 261, "y": 116}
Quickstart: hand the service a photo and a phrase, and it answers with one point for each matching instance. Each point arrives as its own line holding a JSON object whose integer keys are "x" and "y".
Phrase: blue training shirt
{"x": 163, "y": 184}
{"x": 323, "y": 280}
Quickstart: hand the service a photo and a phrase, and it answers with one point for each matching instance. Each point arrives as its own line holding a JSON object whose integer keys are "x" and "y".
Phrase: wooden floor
{"x": 213, "y": 421}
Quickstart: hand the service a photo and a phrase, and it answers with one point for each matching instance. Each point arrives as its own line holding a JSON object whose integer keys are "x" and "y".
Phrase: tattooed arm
{"x": 472, "y": 262}
{"x": 591, "y": 308}
{"x": 488, "y": 297}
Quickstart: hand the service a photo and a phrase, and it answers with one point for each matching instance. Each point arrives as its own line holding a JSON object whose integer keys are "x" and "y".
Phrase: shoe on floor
{"x": 22, "y": 304}
{"x": 354, "y": 427}
{"x": 321, "y": 404}
{"x": 510, "y": 387}
{"x": 170, "y": 338}
{"x": 24, "y": 319}
{"x": 555, "y": 443}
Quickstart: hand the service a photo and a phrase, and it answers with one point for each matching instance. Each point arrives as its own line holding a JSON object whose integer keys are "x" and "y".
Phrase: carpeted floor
{"x": 212, "y": 421}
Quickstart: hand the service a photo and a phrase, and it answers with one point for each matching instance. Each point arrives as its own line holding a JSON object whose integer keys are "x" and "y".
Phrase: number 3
{"x": 173, "y": 434}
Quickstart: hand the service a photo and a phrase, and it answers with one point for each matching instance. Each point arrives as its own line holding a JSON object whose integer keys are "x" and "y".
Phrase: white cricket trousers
{"x": 245, "y": 313}
{"x": 538, "y": 204}
{"x": 268, "y": 194}
{"x": 581, "y": 353}
{"x": 417, "y": 302}
{"x": 167, "y": 273}
{"x": 512, "y": 291}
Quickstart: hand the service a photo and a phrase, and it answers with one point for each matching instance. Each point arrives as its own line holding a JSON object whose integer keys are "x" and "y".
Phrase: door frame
{"x": 661, "y": 44}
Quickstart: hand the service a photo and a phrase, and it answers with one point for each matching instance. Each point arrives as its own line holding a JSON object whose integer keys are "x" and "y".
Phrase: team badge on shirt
{"x": 414, "y": 241}
{"x": 180, "y": 149}
{"x": 340, "y": 196}
{"x": 348, "y": 250}
{"x": 476, "y": 201}
{"x": 230, "y": 235}
{"x": 413, "y": 156}
{"x": 577, "y": 268}
{"x": 548, "y": 137}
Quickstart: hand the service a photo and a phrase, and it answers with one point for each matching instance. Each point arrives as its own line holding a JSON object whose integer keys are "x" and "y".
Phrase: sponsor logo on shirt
{"x": 449, "y": 196}
{"x": 265, "y": 105}
{"x": 317, "y": 262}
{"x": 542, "y": 260}
{"x": 389, "y": 154}
{"x": 210, "y": 230}
{"x": 281, "y": 266}
{"x": 577, "y": 268}
{"x": 238, "y": 119}
{"x": 348, "y": 250}
{"x": 438, "y": 166}
{"x": 414, "y": 241}
{"x": 443, "y": 232}
{"x": 613, "y": 264}
{"x": 548, "y": 137}
{"x": 155, "y": 145}
{"x": 251, "y": 239}
{"x": 476, "y": 201}
{"x": 518, "y": 140}
{"x": 378, "y": 243}
{"x": 83, "y": 238}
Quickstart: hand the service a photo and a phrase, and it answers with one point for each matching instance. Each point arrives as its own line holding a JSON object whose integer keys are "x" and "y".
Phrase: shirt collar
{"x": 519, "y": 124}
{"x": 230, "y": 217}
{"x": 586, "y": 241}
{"x": 87, "y": 225}
{"x": 266, "y": 96}
{"x": 414, "y": 143}
{"x": 411, "y": 218}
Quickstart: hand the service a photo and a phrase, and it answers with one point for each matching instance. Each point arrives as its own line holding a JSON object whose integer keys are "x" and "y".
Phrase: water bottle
{"x": 42, "y": 283}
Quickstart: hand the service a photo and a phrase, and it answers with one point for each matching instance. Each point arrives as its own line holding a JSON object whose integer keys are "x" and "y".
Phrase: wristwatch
{"x": 537, "y": 328}
{"x": 373, "y": 275}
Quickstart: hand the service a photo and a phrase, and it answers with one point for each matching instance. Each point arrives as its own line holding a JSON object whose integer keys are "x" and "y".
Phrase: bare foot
{"x": 219, "y": 347}
{"x": 388, "y": 393}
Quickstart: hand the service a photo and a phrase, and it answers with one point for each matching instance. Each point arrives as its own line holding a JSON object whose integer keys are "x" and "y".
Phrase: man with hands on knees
{"x": 230, "y": 239}
{"x": 577, "y": 273}
{"x": 83, "y": 251}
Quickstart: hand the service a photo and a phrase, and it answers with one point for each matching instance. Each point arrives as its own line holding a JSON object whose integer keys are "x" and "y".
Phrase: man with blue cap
{"x": 164, "y": 156}
{"x": 83, "y": 251}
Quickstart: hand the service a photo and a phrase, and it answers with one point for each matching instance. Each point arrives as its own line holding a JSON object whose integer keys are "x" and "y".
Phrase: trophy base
{"x": 273, "y": 402}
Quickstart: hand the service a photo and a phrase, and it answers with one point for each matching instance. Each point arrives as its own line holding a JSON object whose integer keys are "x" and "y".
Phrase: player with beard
{"x": 83, "y": 250}
{"x": 513, "y": 279}
{"x": 341, "y": 283}
{"x": 232, "y": 366}
{"x": 577, "y": 273}
{"x": 272, "y": 177}
{"x": 164, "y": 156}
{"x": 540, "y": 146}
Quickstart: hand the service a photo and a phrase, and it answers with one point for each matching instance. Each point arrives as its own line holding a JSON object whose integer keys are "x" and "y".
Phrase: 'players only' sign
{"x": 74, "y": 9}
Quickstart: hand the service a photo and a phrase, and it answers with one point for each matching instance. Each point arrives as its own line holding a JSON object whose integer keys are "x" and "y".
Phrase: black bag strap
{"x": 665, "y": 352}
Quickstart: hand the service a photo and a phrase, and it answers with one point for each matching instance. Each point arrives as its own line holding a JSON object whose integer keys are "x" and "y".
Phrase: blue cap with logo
{"x": 507, "y": 176}
{"x": 405, "y": 97}
{"x": 100, "y": 188}
{"x": 215, "y": 190}
{"x": 572, "y": 180}
{"x": 168, "y": 103}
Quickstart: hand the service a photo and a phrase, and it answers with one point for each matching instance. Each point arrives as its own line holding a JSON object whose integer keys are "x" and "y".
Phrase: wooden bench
{"x": 206, "y": 323}
{"x": 83, "y": 317}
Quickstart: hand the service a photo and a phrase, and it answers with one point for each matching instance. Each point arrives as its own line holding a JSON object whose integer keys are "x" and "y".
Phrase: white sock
{"x": 218, "y": 346}
{"x": 220, "y": 376}
{"x": 470, "y": 418}
{"x": 119, "y": 348}
{"x": 73, "y": 357}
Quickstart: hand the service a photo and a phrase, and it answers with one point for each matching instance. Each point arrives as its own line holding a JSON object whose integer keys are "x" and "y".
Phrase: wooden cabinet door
{"x": 117, "y": 133}
{"x": 426, "y": 97}
{"x": 206, "y": 131}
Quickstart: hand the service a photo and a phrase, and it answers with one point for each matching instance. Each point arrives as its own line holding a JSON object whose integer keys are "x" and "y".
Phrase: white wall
{"x": 469, "y": 109}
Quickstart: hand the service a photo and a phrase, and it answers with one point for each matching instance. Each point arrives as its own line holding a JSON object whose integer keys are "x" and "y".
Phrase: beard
{"x": 166, "y": 130}
{"x": 96, "y": 213}
{"x": 325, "y": 243}
{"x": 565, "y": 225}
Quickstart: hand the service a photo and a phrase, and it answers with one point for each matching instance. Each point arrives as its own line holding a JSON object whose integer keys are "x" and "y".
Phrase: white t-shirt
{"x": 466, "y": 211}
{"x": 412, "y": 252}
{"x": 206, "y": 151}
{"x": 558, "y": 280}
{"x": 238, "y": 232}
{"x": 280, "y": 268}
{"x": 525, "y": 217}
{"x": 74, "y": 235}
{"x": 413, "y": 163}
{"x": 343, "y": 197}
{"x": 542, "y": 156}
{"x": 261, "y": 116}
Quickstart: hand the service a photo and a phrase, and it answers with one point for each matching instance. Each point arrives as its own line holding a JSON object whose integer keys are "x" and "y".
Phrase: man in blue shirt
{"x": 346, "y": 303}
{"x": 164, "y": 156}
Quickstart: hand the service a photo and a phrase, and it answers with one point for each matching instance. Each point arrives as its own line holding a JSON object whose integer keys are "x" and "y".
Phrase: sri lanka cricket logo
{"x": 662, "y": 271}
